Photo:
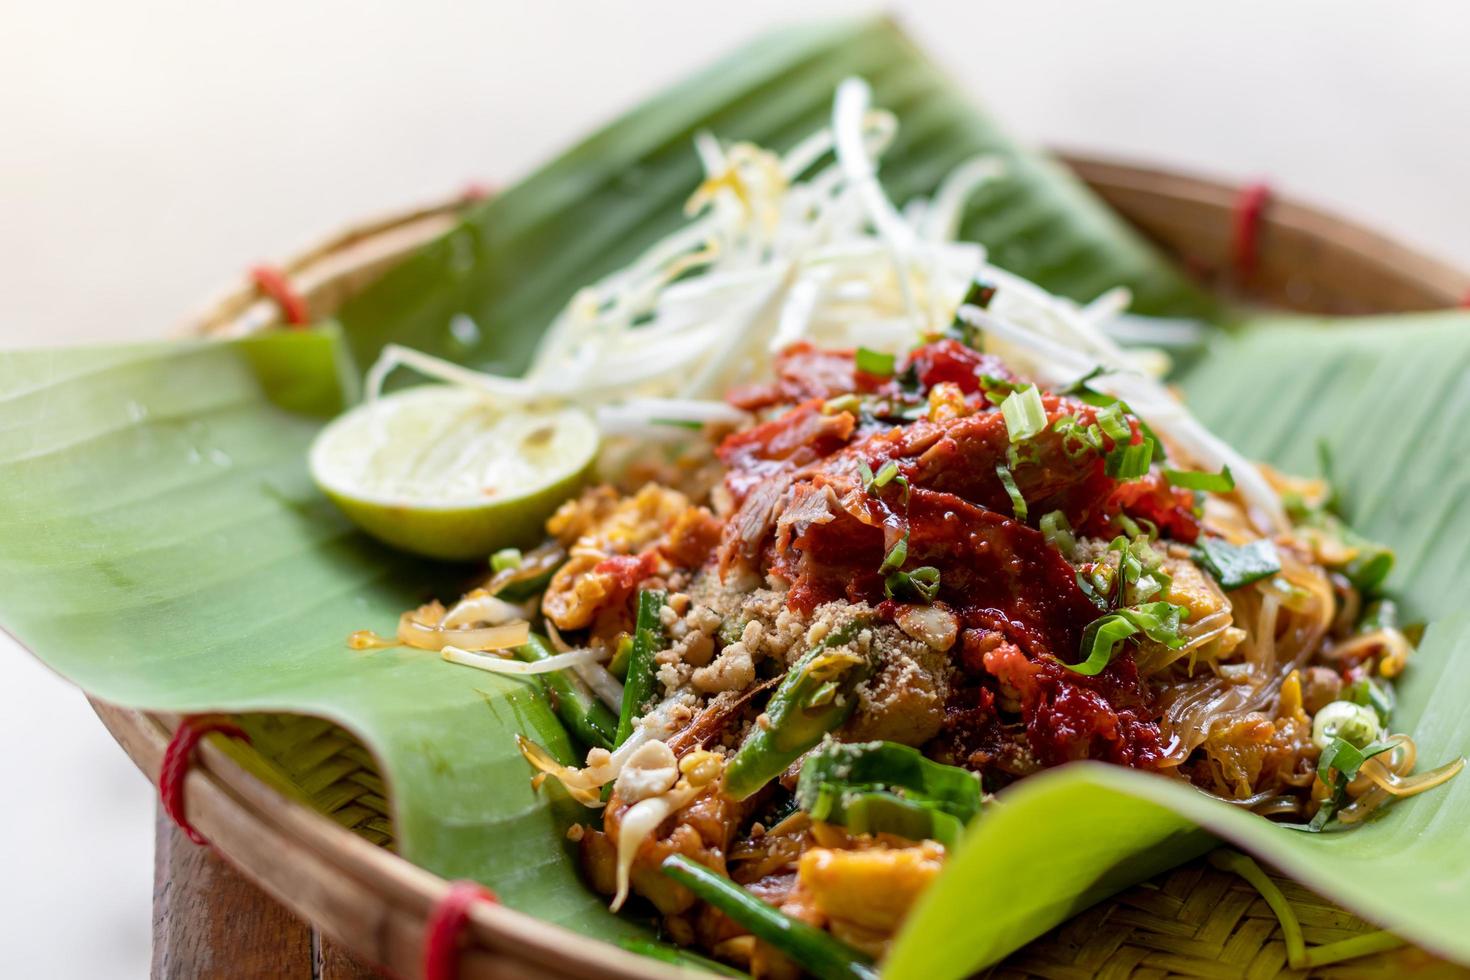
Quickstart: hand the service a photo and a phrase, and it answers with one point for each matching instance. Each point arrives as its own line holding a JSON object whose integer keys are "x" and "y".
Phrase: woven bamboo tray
{"x": 302, "y": 812}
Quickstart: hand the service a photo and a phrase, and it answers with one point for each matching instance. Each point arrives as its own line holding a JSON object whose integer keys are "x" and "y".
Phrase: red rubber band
{"x": 176, "y": 759}
{"x": 1245, "y": 236}
{"x": 446, "y": 923}
{"x": 273, "y": 283}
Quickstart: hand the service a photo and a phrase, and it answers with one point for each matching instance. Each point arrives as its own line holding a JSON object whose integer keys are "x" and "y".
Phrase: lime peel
{"x": 449, "y": 472}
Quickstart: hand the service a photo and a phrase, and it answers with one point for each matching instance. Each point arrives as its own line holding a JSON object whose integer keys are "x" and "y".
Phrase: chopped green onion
{"x": 1159, "y": 621}
{"x": 874, "y": 362}
{"x": 885, "y": 473}
{"x": 884, "y": 787}
{"x": 1059, "y": 532}
{"x": 811, "y": 948}
{"x": 1371, "y": 694}
{"x": 996, "y": 389}
{"x": 1221, "y": 482}
{"x": 1345, "y": 759}
{"x": 866, "y": 472}
{"x": 1078, "y": 440}
{"x": 979, "y": 294}
{"x": 642, "y": 679}
{"x": 921, "y": 584}
{"x": 1080, "y": 385}
{"x": 1024, "y": 413}
{"x": 842, "y": 403}
{"x": 1235, "y": 566}
{"x": 1113, "y": 424}
{"x": 896, "y": 557}
{"x": 1380, "y": 614}
{"x": 1131, "y": 461}
{"x": 1018, "y": 502}
{"x": 505, "y": 559}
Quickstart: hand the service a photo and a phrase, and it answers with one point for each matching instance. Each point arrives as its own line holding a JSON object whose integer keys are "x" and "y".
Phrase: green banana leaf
{"x": 162, "y": 546}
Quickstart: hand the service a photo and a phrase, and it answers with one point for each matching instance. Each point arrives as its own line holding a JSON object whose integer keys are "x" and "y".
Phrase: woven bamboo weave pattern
{"x": 1196, "y": 921}
{"x": 328, "y": 768}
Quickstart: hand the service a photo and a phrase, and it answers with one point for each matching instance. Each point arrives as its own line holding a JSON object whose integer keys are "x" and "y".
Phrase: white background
{"x": 151, "y": 150}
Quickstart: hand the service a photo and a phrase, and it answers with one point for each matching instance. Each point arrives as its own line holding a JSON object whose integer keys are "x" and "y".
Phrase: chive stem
{"x": 811, "y": 948}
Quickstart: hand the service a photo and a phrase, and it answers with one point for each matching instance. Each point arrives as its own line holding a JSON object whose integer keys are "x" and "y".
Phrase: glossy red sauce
{"x": 802, "y": 512}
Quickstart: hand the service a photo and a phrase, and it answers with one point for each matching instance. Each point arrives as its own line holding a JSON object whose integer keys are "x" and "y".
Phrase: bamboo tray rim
{"x": 376, "y": 903}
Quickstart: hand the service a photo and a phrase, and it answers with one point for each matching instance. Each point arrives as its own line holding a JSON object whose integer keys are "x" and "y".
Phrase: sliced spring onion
{"x": 1159, "y": 621}
{"x": 895, "y": 558}
{"x": 811, "y": 948}
{"x": 1366, "y": 691}
{"x": 886, "y": 765}
{"x": 1131, "y": 461}
{"x": 921, "y": 584}
{"x": 1234, "y": 566}
{"x": 885, "y": 473}
{"x": 505, "y": 559}
{"x": 1018, "y": 502}
{"x": 1221, "y": 482}
{"x": 638, "y": 688}
{"x": 980, "y": 293}
{"x": 1110, "y": 419}
{"x": 874, "y": 362}
{"x": 1024, "y": 413}
{"x": 1058, "y": 532}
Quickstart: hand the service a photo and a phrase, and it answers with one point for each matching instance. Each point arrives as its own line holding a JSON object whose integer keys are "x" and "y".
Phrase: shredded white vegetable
{"x": 509, "y": 665}
{"x": 807, "y": 246}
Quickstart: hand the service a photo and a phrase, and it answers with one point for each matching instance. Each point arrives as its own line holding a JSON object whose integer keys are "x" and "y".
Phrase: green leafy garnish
{"x": 980, "y": 293}
{"x": 1080, "y": 385}
{"x": 1234, "y": 566}
{"x": 1131, "y": 460}
{"x": 1159, "y": 621}
{"x": 1024, "y": 413}
{"x": 1058, "y": 532}
{"x": 1371, "y": 562}
{"x": 1370, "y": 693}
{"x": 1338, "y": 766}
{"x": 884, "y": 787}
{"x": 921, "y": 584}
{"x": 642, "y": 678}
{"x": 1018, "y": 502}
{"x": 1221, "y": 482}
{"x": 896, "y": 556}
{"x": 1110, "y": 419}
{"x": 809, "y": 947}
{"x": 505, "y": 559}
{"x": 874, "y": 362}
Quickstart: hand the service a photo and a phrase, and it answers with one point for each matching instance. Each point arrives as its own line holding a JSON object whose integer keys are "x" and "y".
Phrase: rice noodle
{"x": 424, "y": 629}
{"x": 599, "y": 680}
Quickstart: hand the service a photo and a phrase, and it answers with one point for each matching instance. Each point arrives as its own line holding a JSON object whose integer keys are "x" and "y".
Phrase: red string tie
{"x": 274, "y": 285}
{"x": 176, "y": 759}
{"x": 446, "y": 924}
{"x": 476, "y": 190}
{"x": 1245, "y": 235}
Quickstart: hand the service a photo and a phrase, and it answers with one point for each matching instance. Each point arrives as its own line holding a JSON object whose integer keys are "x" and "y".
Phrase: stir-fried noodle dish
{"x": 881, "y": 529}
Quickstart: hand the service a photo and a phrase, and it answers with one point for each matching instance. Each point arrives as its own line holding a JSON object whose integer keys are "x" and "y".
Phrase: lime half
{"x": 444, "y": 471}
